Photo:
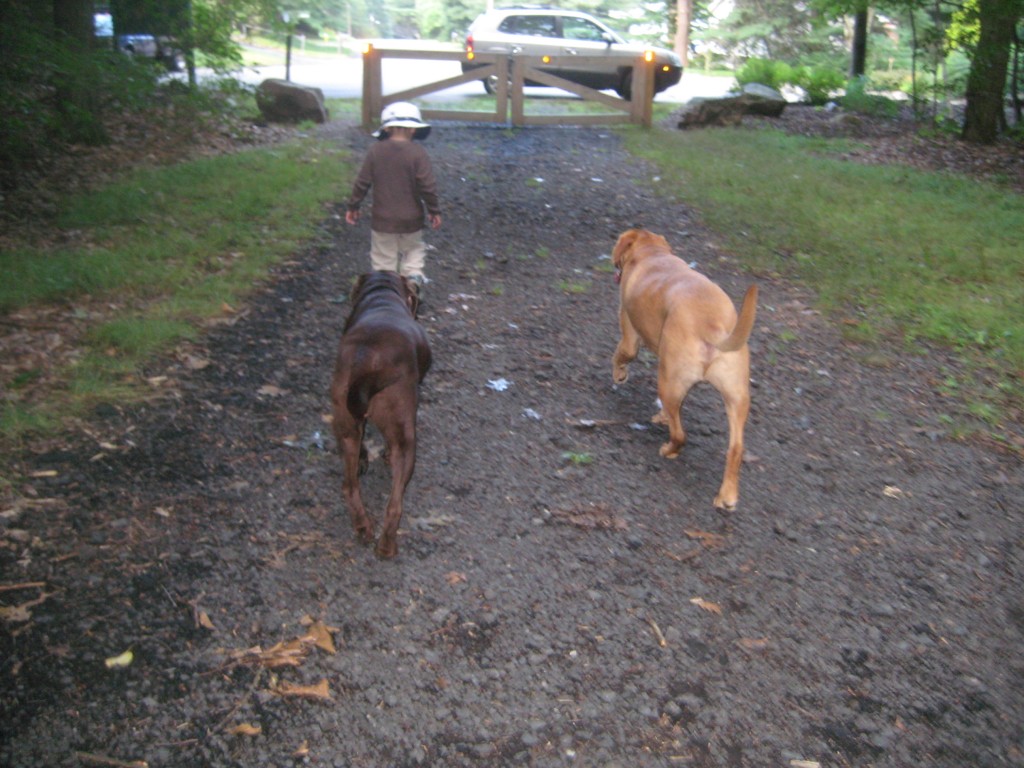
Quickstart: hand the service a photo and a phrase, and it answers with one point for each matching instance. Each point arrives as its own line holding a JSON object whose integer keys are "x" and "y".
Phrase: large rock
{"x": 763, "y": 101}
{"x": 755, "y": 99}
{"x": 281, "y": 101}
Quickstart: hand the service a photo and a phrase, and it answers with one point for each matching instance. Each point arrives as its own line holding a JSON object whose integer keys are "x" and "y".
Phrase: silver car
{"x": 556, "y": 32}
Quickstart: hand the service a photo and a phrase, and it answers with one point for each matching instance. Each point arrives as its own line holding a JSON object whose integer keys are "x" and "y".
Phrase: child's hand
{"x": 435, "y": 221}
{"x": 351, "y": 216}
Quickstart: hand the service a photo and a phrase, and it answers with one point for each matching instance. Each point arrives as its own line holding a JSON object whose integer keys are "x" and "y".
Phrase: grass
{"x": 921, "y": 256}
{"x": 159, "y": 252}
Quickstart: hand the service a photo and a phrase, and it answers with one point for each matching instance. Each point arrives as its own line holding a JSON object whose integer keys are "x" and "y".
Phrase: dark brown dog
{"x": 382, "y": 358}
{"x": 692, "y": 326}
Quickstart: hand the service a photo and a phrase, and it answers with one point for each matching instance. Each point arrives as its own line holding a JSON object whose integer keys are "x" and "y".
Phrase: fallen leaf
{"x": 271, "y": 391}
{"x": 454, "y": 577}
{"x": 194, "y": 363}
{"x": 892, "y": 492}
{"x": 662, "y": 642}
{"x": 284, "y": 654}
{"x": 319, "y": 691}
{"x": 88, "y": 758}
{"x": 204, "y": 620}
{"x": 708, "y": 606}
{"x": 21, "y": 613}
{"x": 245, "y": 729}
{"x": 753, "y": 643}
{"x": 322, "y": 636}
{"x": 288, "y": 654}
{"x": 302, "y": 751}
{"x": 591, "y": 517}
{"x": 706, "y": 538}
{"x": 119, "y": 662}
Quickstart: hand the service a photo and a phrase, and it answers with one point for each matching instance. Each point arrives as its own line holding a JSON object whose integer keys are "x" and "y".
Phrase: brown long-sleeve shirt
{"x": 403, "y": 184}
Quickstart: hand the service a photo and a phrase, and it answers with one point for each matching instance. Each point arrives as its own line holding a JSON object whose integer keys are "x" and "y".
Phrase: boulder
{"x": 281, "y": 101}
{"x": 763, "y": 101}
{"x": 754, "y": 99}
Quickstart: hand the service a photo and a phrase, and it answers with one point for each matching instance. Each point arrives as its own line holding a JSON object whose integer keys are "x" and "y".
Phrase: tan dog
{"x": 692, "y": 326}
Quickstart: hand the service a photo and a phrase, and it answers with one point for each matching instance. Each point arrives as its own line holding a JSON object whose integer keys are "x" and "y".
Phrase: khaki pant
{"x": 402, "y": 253}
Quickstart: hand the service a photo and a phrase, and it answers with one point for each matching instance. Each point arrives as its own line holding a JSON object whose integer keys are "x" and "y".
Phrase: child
{"x": 402, "y": 178}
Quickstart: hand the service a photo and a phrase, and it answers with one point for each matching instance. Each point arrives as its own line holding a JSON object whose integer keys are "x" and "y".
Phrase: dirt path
{"x": 563, "y": 596}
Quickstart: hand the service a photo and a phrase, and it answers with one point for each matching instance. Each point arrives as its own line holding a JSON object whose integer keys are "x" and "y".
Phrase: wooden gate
{"x": 511, "y": 73}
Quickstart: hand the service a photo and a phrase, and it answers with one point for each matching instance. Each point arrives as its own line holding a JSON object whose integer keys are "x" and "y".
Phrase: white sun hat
{"x": 402, "y": 114}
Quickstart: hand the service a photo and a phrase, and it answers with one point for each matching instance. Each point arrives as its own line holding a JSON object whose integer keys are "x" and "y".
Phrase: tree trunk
{"x": 73, "y": 20}
{"x": 77, "y": 100}
{"x": 684, "y": 14}
{"x": 859, "y": 47}
{"x": 986, "y": 83}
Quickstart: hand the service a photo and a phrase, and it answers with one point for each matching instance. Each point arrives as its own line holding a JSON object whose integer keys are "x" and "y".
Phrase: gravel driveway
{"x": 563, "y": 595}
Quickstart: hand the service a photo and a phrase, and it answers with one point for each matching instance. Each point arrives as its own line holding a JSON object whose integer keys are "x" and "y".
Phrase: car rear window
{"x": 537, "y": 26}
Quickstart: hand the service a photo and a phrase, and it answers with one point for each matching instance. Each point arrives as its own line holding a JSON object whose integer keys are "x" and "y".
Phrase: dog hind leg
{"x": 733, "y": 383}
{"x": 350, "y": 444}
{"x": 400, "y": 436}
{"x": 673, "y": 387}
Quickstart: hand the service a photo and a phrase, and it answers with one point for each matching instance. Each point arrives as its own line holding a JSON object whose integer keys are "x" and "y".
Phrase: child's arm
{"x": 360, "y": 187}
{"x": 426, "y": 187}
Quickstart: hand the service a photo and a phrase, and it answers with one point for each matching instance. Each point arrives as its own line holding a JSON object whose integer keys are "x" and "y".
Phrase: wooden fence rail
{"x": 511, "y": 74}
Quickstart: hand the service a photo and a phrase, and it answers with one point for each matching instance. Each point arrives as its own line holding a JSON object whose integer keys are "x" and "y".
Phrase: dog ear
{"x": 357, "y": 287}
{"x": 623, "y": 245}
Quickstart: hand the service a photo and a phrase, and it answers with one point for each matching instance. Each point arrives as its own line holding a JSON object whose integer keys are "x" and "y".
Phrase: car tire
{"x": 625, "y": 86}
{"x": 491, "y": 84}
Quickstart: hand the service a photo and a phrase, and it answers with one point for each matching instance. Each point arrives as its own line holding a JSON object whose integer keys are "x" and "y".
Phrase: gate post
{"x": 503, "y": 64}
{"x": 373, "y": 85}
{"x": 641, "y": 109}
{"x": 518, "y": 82}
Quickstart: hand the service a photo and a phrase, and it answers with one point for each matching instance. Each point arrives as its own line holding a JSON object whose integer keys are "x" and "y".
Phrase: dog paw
{"x": 726, "y": 505}
{"x": 670, "y": 450}
{"x": 364, "y": 533}
{"x": 387, "y": 550}
{"x": 620, "y": 374}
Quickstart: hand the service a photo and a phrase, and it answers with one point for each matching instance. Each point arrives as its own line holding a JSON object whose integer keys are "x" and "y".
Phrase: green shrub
{"x": 818, "y": 83}
{"x": 890, "y": 80}
{"x": 857, "y": 99}
{"x": 774, "y": 74}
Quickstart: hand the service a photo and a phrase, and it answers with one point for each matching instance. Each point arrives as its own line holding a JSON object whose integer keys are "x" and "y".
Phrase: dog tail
{"x": 358, "y": 401}
{"x": 744, "y": 325}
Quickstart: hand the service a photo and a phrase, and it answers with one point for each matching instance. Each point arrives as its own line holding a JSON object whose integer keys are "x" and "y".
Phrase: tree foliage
{"x": 60, "y": 82}
{"x": 938, "y": 50}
